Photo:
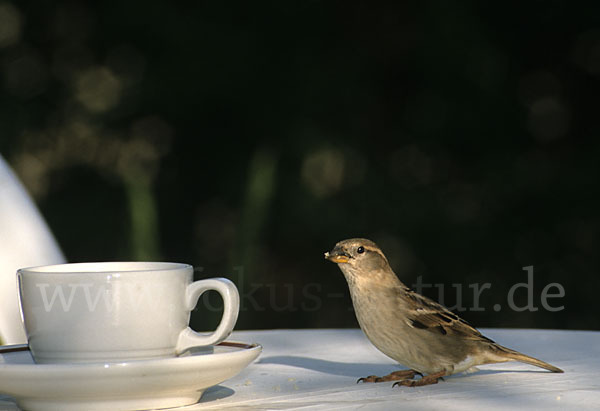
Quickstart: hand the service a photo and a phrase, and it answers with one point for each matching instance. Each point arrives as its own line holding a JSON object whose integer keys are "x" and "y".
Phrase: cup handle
{"x": 231, "y": 304}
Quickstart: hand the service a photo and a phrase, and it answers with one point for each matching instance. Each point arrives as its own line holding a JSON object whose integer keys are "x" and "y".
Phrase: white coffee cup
{"x": 116, "y": 311}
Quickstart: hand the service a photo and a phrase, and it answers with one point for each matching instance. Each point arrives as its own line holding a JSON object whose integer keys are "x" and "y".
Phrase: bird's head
{"x": 358, "y": 256}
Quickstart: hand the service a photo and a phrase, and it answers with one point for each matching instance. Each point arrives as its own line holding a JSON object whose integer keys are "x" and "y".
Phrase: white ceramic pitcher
{"x": 25, "y": 241}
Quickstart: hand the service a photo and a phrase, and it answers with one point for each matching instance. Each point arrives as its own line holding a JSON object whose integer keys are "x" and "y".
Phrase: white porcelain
{"x": 134, "y": 385}
{"x": 111, "y": 311}
{"x": 25, "y": 240}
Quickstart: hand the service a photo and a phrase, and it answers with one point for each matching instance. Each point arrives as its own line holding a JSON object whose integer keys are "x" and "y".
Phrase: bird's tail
{"x": 509, "y": 355}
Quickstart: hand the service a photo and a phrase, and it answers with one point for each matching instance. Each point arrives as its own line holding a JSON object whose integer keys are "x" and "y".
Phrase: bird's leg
{"x": 426, "y": 380}
{"x": 394, "y": 376}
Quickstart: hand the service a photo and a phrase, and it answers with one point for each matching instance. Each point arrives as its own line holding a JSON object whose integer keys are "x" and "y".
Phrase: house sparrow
{"x": 410, "y": 328}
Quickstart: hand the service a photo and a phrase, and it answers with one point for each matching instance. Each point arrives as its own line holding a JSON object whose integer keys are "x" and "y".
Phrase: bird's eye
{"x": 360, "y": 250}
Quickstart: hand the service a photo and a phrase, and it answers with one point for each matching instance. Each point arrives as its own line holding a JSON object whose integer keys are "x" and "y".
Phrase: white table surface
{"x": 318, "y": 369}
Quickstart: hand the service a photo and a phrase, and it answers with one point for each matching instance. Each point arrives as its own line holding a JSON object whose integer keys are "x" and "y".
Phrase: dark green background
{"x": 463, "y": 137}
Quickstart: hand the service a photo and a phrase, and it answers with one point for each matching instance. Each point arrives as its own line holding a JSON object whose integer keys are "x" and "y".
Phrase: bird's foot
{"x": 426, "y": 380}
{"x": 395, "y": 376}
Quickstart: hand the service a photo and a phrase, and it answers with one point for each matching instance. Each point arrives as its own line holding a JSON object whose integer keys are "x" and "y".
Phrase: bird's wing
{"x": 426, "y": 314}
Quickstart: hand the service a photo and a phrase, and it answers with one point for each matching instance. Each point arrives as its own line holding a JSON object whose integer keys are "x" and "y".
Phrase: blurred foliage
{"x": 247, "y": 138}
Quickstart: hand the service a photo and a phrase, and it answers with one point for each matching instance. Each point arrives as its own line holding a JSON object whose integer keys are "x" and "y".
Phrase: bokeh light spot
{"x": 98, "y": 89}
{"x": 323, "y": 171}
{"x": 10, "y": 25}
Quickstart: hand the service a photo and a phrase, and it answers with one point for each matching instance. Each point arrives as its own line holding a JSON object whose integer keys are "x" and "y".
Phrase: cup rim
{"x": 105, "y": 267}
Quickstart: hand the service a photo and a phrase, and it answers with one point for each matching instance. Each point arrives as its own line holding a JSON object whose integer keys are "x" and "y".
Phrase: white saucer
{"x": 134, "y": 385}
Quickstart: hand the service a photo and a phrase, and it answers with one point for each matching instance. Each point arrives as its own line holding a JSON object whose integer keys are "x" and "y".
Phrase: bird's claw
{"x": 395, "y": 376}
{"x": 370, "y": 378}
{"x": 424, "y": 380}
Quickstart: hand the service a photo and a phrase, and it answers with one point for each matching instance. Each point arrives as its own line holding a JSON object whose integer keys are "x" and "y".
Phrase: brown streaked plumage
{"x": 410, "y": 328}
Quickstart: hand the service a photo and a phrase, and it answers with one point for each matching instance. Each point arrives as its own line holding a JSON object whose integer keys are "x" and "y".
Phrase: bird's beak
{"x": 337, "y": 255}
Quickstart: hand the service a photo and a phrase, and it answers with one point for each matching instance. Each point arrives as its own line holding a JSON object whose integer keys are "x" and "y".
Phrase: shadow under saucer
{"x": 218, "y": 392}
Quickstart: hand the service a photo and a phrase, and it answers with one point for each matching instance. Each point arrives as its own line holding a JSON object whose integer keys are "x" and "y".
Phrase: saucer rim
{"x": 239, "y": 349}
